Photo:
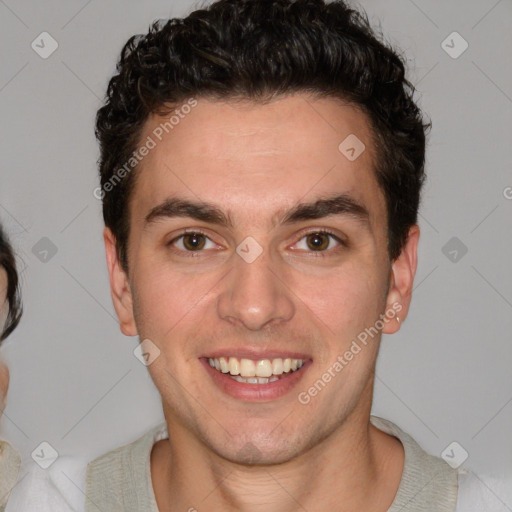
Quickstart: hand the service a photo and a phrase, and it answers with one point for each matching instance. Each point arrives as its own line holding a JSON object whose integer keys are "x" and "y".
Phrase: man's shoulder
{"x": 428, "y": 482}
{"x": 131, "y": 450}
{"x": 417, "y": 460}
{"x": 121, "y": 477}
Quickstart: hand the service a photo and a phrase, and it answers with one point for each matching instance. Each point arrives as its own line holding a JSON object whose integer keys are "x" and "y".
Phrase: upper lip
{"x": 256, "y": 354}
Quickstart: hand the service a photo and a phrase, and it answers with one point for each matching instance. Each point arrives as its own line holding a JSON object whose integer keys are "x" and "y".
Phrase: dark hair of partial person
{"x": 13, "y": 296}
{"x": 260, "y": 50}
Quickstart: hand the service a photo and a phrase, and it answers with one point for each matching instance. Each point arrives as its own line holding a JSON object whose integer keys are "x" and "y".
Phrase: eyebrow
{"x": 342, "y": 204}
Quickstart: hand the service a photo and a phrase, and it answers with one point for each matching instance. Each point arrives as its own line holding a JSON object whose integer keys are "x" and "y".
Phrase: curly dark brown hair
{"x": 259, "y": 50}
{"x": 13, "y": 296}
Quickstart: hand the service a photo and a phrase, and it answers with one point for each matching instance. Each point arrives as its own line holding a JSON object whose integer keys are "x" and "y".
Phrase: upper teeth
{"x": 259, "y": 368}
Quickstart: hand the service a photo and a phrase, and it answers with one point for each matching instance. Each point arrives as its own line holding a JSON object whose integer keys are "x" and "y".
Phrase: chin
{"x": 259, "y": 449}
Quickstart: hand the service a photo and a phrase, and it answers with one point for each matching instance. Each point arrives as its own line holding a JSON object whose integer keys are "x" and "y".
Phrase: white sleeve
{"x": 60, "y": 488}
{"x": 483, "y": 494}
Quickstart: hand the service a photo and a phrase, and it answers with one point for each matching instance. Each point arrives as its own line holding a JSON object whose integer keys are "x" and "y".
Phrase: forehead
{"x": 257, "y": 159}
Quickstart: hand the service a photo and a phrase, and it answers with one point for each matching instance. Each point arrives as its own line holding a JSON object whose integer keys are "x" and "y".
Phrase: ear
{"x": 401, "y": 281}
{"x": 119, "y": 286}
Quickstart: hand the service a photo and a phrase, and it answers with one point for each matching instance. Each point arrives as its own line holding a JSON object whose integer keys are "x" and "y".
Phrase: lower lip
{"x": 255, "y": 392}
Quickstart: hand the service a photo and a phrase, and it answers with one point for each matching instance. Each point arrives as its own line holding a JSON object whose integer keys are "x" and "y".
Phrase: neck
{"x": 358, "y": 467}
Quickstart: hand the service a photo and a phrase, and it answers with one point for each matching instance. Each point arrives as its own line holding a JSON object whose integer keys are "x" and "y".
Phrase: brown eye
{"x": 318, "y": 241}
{"x": 194, "y": 241}
{"x": 193, "y": 244}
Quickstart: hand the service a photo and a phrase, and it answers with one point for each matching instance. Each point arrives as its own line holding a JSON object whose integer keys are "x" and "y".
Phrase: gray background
{"x": 446, "y": 376}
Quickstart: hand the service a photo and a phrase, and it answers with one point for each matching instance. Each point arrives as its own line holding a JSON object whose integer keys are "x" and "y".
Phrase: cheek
{"x": 4, "y": 382}
{"x": 4, "y": 312}
{"x": 165, "y": 302}
{"x": 346, "y": 300}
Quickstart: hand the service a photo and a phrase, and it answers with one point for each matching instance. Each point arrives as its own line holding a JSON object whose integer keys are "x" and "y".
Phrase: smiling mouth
{"x": 261, "y": 371}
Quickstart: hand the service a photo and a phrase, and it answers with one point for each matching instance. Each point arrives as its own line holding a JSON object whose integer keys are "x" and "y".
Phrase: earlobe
{"x": 403, "y": 270}
{"x": 119, "y": 286}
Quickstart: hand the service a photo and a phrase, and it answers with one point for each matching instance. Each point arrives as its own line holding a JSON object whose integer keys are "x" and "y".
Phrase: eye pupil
{"x": 318, "y": 241}
{"x": 193, "y": 241}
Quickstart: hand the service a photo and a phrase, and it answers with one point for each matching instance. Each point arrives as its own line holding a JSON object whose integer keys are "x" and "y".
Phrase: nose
{"x": 254, "y": 295}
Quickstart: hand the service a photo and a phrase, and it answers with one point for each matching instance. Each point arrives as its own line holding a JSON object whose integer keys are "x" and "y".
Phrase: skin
{"x": 256, "y": 161}
{"x": 4, "y": 371}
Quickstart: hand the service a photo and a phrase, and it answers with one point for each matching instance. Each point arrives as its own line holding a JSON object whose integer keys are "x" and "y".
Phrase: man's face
{"x": 307, "y": 296}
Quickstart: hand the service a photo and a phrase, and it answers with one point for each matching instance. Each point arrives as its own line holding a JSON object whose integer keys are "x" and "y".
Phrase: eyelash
{"x": 321, "y": 254}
